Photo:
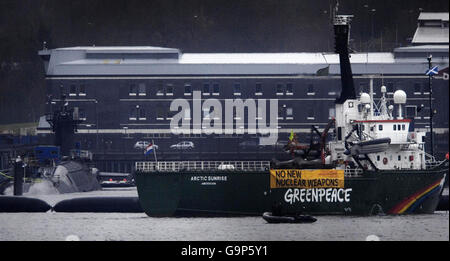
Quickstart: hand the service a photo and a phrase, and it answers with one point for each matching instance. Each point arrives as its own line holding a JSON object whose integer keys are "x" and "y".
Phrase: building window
{"x": 82, "y": 91}
{"x": 62, "y": 90}
{"x": 258, "y": 89}
{"x": 133, "y": 114}
{"x": 411, "y": 111}
{"x": 160, "y": 90}
{"x": 187, "y": 114}
{"x": 380, "y": 127}
{"x": 142, "y": 89}
{"x": 289, "y": 89}
{"x": 187, "y": 89}
{"x": 311, "y": 115}
{"x": 394, "y": 127}
{"x": 206, "y": 113}
{"x": 237, "y": 89}
{"x": 311, "y": 89}
{"x": 237, "y": 116}
{"x": 403, "y": 127}
{"x": 362, "y": 87}
{"x": 206, "y": 89}
{"x": 142, "y": 116}
{"x": 170, "y": 115}
{"x": 331, "y": 113}
{"x": 133, "y": 90}
{"x": 160, "y": 114}
{"x": 417, "y": 89}
{"x": 280, "y": 89}
{"x": 81, "y": 114}
{"x": 169, "y": 90}
{"x": 216, "y": 89}
{"x": 73, "y": 90}
{"x": 426, "y": 90}
{"x": 390, "y": 87}
{"x": 289, "y": 114}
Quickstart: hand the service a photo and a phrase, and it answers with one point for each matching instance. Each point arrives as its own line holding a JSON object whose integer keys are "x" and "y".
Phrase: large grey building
{"x": 123, "y": 94}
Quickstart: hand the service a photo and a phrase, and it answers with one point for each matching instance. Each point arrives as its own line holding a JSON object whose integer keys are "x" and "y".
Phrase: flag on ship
{"x": 291, "y": 137}
{"x": 432, "y": 71}
{"x": 148, "y": 149}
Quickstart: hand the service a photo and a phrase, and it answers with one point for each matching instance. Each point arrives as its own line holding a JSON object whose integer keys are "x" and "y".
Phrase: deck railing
{"x": 353, "y": 172}
{"x": 175, "y": 166}
{"x": 431, "y": 162}
{"x": 152, "y": 166}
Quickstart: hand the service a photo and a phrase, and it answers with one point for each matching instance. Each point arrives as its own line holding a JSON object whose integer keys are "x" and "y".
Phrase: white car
{"x": 184, "y": 145}
{"x": 141, "y": 145}
{"x": 225, "y": 167}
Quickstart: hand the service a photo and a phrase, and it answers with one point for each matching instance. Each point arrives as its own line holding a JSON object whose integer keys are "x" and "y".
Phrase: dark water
{"x": 137, "y": 226}
{"x": 119, "y": 226}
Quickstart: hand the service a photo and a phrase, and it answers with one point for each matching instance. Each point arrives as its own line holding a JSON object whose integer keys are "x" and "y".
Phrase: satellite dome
{"x": 365, "y": 98}
{"x": 399, "y": 97}
{"x": 383, "y": 89}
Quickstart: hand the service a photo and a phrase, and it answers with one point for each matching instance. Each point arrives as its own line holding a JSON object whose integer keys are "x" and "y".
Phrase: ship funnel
{"x": 341, "y": 36}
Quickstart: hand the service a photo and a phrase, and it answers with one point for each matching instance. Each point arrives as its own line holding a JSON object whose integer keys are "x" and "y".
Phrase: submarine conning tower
{"x": 341, "y": 25}
{"x": 64, "y": 124}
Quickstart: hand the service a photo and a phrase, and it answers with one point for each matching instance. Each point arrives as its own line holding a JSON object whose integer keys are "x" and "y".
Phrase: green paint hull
{"x": 231, "y": 193}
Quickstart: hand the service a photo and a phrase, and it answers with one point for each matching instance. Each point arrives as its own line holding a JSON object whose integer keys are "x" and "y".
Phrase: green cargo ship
{"x": 210, "y": 192}
{"x": 374, "y": 162}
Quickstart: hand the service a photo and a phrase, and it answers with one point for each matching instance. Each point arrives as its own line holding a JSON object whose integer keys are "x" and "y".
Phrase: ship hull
{"x": 232, "y": 193}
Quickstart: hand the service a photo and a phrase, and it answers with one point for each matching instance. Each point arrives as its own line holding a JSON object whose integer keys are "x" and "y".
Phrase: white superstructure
{"x": 376, "y": 136}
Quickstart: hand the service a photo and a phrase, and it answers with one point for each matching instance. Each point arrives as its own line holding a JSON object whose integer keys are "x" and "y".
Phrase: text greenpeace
{"x": 317, "y": 195}
{"x": 306, "y": 178}
{"x": 207, "y": 117}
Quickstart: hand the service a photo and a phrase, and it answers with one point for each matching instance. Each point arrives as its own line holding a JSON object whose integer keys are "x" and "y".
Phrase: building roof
{"x": 423, "y": 48}
{"x": 431, "y": 35}
{"x": 281, "y": 58}
{"x": 432, "y": 29}
{"x": 119, "y": 49}
{"x": 127, "y": 61}
{"x": 433, "y": 16}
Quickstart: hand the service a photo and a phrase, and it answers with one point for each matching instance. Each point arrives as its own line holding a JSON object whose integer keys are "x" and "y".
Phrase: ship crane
{"x": 310, "y": 151}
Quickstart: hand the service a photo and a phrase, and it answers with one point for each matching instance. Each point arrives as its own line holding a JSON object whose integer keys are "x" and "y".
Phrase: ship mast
{"x": 430, "y": 75}
{"x": 341, "y": 25}
{"x": 371, "y": 98}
